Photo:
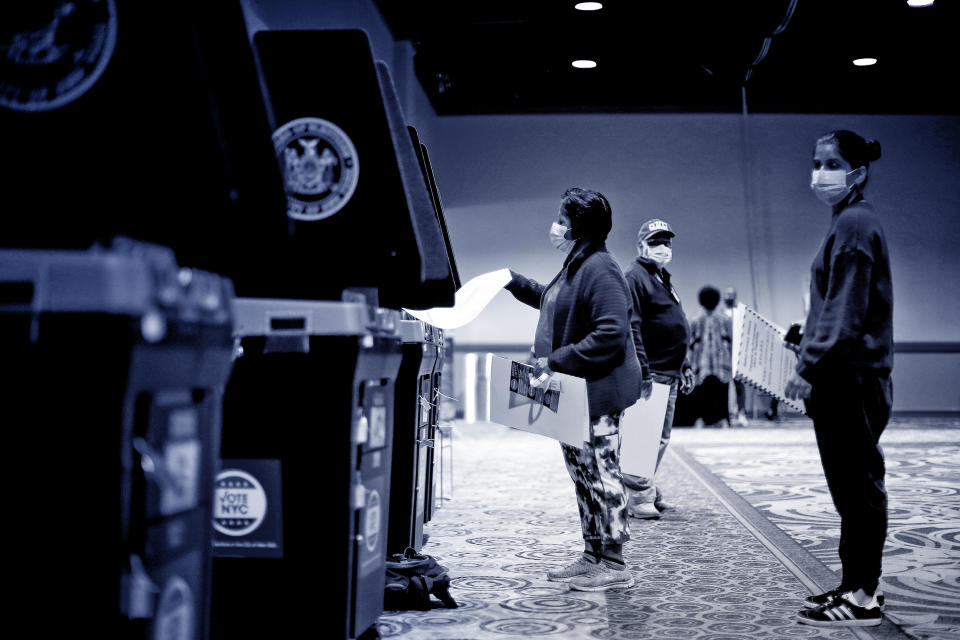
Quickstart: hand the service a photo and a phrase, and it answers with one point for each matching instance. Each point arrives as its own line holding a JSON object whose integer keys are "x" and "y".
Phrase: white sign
{"x": 640, "y": 429}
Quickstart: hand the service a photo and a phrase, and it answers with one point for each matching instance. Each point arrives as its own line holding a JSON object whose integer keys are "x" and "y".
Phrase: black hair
{"x": 855, "y": 149}
{"x": 709, "y": 297}
{"x": 589, "y": 213}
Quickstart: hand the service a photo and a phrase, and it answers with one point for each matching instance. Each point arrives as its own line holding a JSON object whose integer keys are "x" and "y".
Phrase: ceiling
{"x": 792, "y": 56}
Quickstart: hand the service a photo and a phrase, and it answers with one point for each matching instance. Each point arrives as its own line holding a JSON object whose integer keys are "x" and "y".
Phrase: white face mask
{"x": 558, "y": 237}
{"x": 830, "y": 185}
{"x": 661, "y": 254}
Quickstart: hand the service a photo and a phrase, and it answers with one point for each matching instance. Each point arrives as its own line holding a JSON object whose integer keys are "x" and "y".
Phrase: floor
{"x": 754, "y": 532}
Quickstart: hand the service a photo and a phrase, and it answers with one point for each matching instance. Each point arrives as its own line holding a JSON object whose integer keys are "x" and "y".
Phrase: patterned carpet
{"x": 717, "y": 568}
{"x": 778, "y": 472}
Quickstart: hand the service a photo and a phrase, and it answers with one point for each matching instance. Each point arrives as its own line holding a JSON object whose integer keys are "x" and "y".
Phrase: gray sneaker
{"x": 647, "y": 511}
{"x": 585, "y": 564}
{"x": 605, "y": 576}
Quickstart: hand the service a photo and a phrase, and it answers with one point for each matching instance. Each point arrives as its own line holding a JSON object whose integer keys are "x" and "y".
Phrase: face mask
{"x": 557, "y": 239}
{"x": 660, "y": 254}
{"x": 830, "y": 185}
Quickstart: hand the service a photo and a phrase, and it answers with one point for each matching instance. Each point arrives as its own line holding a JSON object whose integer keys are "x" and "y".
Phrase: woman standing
{"x": 843, "y": 372}
{"x": 584, "y": 331}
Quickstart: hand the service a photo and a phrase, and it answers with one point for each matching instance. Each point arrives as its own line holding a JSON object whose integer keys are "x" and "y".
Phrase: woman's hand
{"x": 541, "y": 373}
{"x": 797, "y": 388}
{"x": 646, "y": 388}
{"x": 687, "y": 380}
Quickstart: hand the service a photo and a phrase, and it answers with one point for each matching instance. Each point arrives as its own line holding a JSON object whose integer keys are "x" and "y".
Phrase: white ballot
{"x": 640, "y": 429}
{"x": 469, "y": 301}
{"x": 760, "y": 357}
{"x": 558, "y": 414}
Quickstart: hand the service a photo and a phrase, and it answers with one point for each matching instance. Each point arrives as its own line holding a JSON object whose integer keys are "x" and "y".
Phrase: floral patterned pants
{"x": 595, "y": 471}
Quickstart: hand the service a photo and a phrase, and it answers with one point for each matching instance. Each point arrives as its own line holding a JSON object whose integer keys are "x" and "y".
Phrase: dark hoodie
{"x": 850, "y": 323}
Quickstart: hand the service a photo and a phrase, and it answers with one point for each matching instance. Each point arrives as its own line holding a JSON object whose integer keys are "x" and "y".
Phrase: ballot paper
{"x": 760, "y": 357}
{"x": 470, "y": 300}
{"x": 640, "y": 430}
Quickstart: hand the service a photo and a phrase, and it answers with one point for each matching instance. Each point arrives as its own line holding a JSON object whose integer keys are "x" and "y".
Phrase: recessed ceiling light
{"x": 864, "y": 62}
{"x": 920, "y": 3}
{"x": 584, "y": 64}
{"x": 588, "y": 6}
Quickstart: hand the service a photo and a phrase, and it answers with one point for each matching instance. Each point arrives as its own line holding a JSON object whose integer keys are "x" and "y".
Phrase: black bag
{"x": 412, "y": 578}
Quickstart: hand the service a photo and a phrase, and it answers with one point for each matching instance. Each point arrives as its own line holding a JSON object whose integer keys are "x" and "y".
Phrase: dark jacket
{"x": 850, "y": 322}
{"x": 659, "y": 325}
{"x": 591, "y": 326}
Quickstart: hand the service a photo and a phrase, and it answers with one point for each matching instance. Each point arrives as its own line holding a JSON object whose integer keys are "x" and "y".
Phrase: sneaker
{"x": 645, "y": 511}
{"x": 584, "y": 565}
{"x": 742, "y": 419}
{"x": 605, "y": 576}
{"x": 841, "y": 612}
{"x": 812, "y": 602}
{"x": 663, "y": 505}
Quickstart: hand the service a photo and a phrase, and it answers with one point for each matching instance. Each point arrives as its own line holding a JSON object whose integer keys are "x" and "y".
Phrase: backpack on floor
{"x": 412, "y": 578}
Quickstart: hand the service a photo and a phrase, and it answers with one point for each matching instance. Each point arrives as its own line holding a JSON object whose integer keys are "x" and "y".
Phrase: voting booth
{"x": 309, "y": 412}
{"x": 114, "y": 363}
{"x": 300, "y": 511}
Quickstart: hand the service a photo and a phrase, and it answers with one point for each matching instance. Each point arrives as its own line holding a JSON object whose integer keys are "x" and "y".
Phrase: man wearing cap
{"x": 660, "y": 330}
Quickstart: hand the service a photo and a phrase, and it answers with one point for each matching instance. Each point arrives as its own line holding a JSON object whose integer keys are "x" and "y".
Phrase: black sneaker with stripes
{"x": 823, "y": 598}
{"x": 841, "y": 612}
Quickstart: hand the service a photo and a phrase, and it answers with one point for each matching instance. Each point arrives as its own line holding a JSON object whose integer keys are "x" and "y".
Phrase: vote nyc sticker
{"x": 240, "y": 503}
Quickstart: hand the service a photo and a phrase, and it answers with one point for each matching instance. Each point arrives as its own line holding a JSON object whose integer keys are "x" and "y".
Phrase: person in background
{"x": 843, "y": 374}
{"x": 584, "y": 331}
{"x": 711, "y": 345}
{"x": 660, "y": 333}
{"x": 729, "y": 303}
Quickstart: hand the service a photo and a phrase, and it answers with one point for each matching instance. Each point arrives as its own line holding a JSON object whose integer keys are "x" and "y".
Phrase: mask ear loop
{"x": 859, "y": 179}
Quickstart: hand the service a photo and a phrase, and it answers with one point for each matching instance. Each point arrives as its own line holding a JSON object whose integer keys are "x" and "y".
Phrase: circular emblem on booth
{"x": 175, "y": 612}
{"x": 319, "y": 166}
{"x": 52, "y": 52}
{"x": 240, "y": 503}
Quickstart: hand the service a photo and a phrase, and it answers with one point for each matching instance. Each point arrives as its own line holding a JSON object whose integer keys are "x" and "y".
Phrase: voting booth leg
{"x": 111, "y": 395}
{"x": 434, "y": 453}
{"x": 300, "y": 508}
{"x": 411, "y": 424}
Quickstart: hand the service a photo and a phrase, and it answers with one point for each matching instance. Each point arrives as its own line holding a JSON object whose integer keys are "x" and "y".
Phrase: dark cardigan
{"x": 591, "y": 327}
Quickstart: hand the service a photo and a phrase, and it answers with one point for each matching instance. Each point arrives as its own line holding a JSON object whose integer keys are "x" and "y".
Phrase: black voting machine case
{"x": 133, "y": 192}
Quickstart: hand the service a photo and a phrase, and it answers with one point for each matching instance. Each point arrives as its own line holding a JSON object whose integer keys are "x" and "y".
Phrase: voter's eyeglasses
{"x": 656, "y": 242}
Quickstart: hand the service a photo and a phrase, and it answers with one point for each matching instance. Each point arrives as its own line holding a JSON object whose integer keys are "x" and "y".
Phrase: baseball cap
{"x": 654, "y": 227}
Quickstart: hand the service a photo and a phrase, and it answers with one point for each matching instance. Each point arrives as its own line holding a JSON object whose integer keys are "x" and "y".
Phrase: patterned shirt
{"x": 711, "y": 346}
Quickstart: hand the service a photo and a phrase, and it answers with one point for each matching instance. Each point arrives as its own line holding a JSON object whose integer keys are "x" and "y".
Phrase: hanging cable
{"x": 745, "y": 145}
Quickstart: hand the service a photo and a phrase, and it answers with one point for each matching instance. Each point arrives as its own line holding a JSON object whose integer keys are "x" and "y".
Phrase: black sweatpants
{"x": 850, "y": 410}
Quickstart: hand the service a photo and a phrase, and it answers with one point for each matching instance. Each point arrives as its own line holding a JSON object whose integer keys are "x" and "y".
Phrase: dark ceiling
{"x": 793, "y": 56}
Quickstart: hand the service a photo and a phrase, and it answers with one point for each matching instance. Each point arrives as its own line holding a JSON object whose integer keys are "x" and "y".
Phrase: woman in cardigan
{"x": 584, "y": 331}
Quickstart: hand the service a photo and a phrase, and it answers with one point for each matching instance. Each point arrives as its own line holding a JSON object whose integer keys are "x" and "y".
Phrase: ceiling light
{"x": 920, "y": 3}
{"x": 588, "y": 6}
{"x": 864, "y": 62}
{"x": 584, "y": 64}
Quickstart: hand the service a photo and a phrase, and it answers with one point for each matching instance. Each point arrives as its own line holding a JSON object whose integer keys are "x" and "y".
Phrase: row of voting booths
{"x": 219, "y": 418}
